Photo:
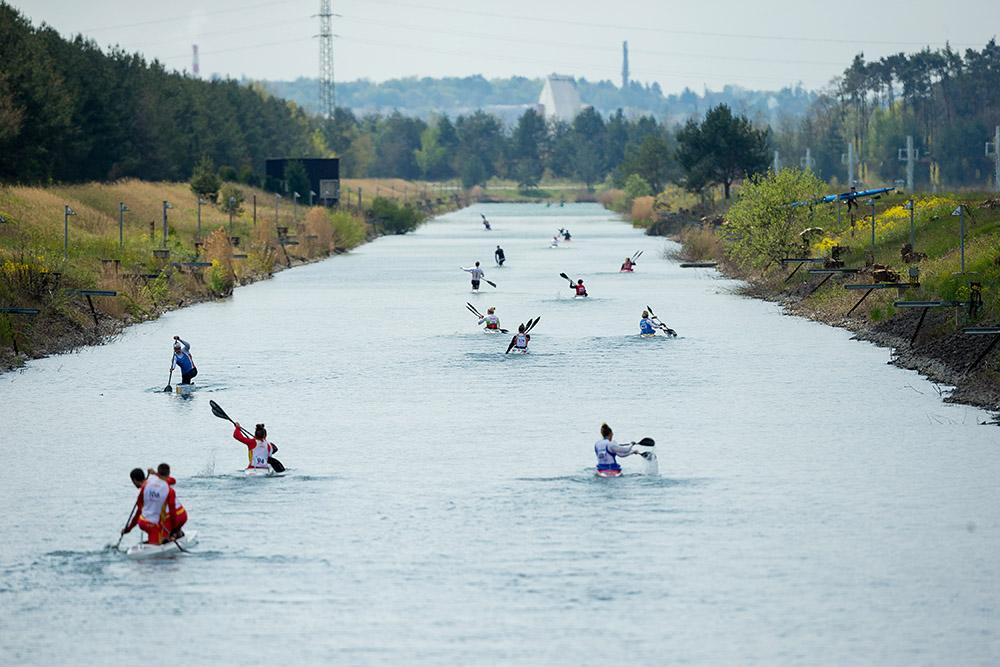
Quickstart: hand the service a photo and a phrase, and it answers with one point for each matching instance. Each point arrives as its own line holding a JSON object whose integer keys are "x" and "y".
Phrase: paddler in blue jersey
{"x": 607, "y": 451}
{"x": 182, "y": 357}
{"x": 646, "y": 327}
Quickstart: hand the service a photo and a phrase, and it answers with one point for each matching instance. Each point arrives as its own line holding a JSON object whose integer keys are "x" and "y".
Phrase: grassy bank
{"x": 930, "y": 272}
{"x": 149, "y": 274}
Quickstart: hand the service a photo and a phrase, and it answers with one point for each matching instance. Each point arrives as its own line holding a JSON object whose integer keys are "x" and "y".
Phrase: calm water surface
{"x": 813, "y": 506}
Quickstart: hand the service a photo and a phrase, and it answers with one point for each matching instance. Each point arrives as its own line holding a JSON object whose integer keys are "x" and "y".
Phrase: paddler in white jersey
{"x": 491, "y": 320}
{"x": 154, "y": 494}
{"x": 607, "y": 450}
{"x": 477, "y": 275}
{"x": 520, "y": 341}
{"x": 259, "y": 450}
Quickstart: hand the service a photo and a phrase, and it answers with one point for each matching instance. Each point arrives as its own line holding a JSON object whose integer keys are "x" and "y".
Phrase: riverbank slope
{"x": 932, "y": 340}
{"x": 163, "y": 256}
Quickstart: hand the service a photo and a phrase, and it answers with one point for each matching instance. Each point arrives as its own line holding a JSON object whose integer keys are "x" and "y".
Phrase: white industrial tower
{"x": 326, "y": 93}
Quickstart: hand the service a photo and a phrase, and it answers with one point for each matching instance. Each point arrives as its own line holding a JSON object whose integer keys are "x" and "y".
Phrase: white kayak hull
{"x": 259, "y": 472}
{"x": 144, "y": 550}
{"x": 491, "y": 331}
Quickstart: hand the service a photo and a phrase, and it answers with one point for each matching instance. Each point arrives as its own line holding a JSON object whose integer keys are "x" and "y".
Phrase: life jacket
{"x": 646, "y": 326}
{"x": 259, "y": 454}
{"x": 492, "y": 322}
{"x": 580, "y": 290}
{"x": 605, "y": 457}
{"x": 521, "y": 341}
{"x": 154, "y": 495}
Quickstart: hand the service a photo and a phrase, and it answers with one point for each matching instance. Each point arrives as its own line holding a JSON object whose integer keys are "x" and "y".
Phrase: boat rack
{"x": 827, "y": 274}
{"x": 982, "y": 331}
{"x": 799, "y": 262}
{"x": 95, "y": 292}
{"x": 925, "y": 306}
{"x": 871, "y": 287}
{"x": 14, "y": 310}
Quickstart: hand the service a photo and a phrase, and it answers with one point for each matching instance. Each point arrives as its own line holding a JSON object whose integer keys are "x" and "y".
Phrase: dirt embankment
{"x": 939, "y": 351}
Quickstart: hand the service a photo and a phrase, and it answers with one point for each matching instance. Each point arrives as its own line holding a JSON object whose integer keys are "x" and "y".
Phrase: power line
{"x": 646, "y": 28}
{"x": 591, "y": 47}
{"x": 187, "y": 17}
{"x": 563, "y": 65}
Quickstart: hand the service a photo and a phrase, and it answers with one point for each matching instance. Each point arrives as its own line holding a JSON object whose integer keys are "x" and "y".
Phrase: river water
{"x": 813, "y": 504}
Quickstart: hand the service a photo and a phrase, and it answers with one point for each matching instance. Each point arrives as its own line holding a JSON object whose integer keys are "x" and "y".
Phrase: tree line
{"x": 947, "y": 101}
{"x": 71, "y": 112}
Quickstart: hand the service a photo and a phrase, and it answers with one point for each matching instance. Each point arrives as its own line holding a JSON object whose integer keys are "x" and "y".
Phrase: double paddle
{"x": 528, "y": 326}
{"x": 645, "y": 442}
{"x": 221, "y": 414}
{"x": 663, "y": 327}
{"x": 472, "y": 309}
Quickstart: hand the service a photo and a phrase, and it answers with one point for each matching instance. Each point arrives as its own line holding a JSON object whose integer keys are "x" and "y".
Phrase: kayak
{"x": 609, "y": 473}
{"x": 520, "y": 350}
{"x": 626, "y": 271}
{"x": 184, "y": 389}
{"x": 491, "y": 331}
{"x": 580, "y": 296}
{"x": 145, "y": 550}
{"x": 259, "y": 472}
{"x": 642, "y": 335}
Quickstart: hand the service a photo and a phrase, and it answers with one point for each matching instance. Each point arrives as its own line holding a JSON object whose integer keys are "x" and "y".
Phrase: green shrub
{"x": 395, "y": 219}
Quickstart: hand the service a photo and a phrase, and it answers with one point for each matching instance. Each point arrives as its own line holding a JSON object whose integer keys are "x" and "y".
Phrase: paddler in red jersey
{"x": 156, "y": 506}
{"x": 259, "y": 450}
{"x": 580, "y": 289}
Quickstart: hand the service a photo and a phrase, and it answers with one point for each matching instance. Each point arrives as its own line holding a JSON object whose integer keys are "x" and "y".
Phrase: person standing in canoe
{"x": 499, "y": 256}
{"x": 259, "y": 449}
{"x": 520, "y": 340}
{"x": 156, "y": 507}
{"x": 607, "y": 451}
{"x": 646, "y": 327}
{"x": 477, "y": 275}
{"x": 491, "y": 320}
{"x": 182, "y": 357}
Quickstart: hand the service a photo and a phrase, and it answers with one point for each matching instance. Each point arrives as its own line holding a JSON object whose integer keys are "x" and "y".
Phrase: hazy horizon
{"x": 708, "y": 44}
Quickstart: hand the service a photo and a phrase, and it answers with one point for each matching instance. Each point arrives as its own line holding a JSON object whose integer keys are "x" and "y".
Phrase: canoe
{"x": 184, "y": 389}
{"x": 650, "y": 335}
{"x": 145, "y": 550}
{"x": 609, "y": 473}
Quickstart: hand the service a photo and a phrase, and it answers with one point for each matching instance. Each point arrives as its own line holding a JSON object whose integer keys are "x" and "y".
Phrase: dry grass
{"x": 700, "y": 244}
{"x": 642, "y": 210}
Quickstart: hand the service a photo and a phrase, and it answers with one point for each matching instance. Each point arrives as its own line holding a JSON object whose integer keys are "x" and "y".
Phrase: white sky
{"x": 763, "y": 44}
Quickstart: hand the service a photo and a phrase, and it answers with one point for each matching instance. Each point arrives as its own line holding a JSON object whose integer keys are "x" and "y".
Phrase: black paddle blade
{"x": 219, "y": 412}
{"x": 646, "y": 442}
{"x": 532, "y": 324}
{"x": 564, "y": 276}
{"x": 168, "y": 389}
{"x": 276, "y": 464}
{"x": 490, "y": 283}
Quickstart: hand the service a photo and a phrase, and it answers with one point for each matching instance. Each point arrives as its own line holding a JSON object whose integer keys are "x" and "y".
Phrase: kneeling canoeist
{"x": 259, "y": 449}
{"x": 182, "y": 357}
{"x": 477, "y": 275}
{"x": 607, "y": 451}
{"x": 627, "y": 265}
{"x": 580, "y": 289}
{"x": 491, "y": 320}
{"x": 646, "y": 327}
{"x": 520, "y": 340}
{"x": 156, "y": 506}
{"x": 499, "y": 256}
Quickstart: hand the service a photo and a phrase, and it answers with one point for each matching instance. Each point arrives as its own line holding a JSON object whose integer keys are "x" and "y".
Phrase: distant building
{"x": 324, "y": 177}
{"x": 559, "y": 98}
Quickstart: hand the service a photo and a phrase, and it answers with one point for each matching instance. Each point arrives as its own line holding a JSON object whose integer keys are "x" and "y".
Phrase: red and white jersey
{"x": 154, "y": 494}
